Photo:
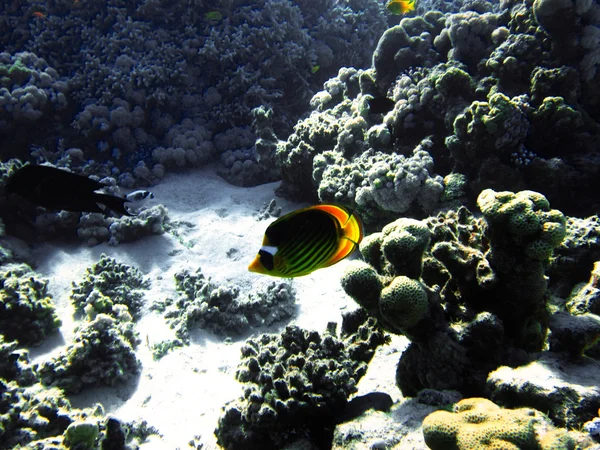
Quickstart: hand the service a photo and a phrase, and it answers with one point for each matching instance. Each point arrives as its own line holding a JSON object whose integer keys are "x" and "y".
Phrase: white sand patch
{"x": 183, "y": 393}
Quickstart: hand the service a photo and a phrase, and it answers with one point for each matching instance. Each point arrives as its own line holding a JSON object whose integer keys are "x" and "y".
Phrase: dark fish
{"x": 58, "y": 189}
{"x": 356, "y": 407}
{"x": 380, "y": 105}
{"x": 306, "y": 240}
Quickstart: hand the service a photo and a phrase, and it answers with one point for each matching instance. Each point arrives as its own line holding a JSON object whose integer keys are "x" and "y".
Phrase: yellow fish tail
{"x": 351, "y": 231}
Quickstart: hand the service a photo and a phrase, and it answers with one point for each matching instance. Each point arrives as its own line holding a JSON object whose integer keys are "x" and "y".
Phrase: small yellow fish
{"x": 315, "y": 69}
{"x": 400, "y": 6}
{"x": 213, "y": 16}
{"x": 306, "y": 240}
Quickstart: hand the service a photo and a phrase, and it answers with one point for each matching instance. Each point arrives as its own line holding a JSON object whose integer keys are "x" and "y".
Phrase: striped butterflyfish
{"x": 306, "y": 240}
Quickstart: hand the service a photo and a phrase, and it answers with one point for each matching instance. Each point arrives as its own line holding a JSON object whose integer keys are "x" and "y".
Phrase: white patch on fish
{"x": 137, "y": 199}
{"x": 269, "y": 249}
{"x": 139, "y": 196}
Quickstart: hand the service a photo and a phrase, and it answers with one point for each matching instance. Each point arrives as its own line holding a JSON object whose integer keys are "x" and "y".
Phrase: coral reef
{"x": 494, "y": 106}
{"x": 27, "y": 312}
{"x": 495, "y": 97}
{"x": 479, "y": 423}
{"x": 202, "y": 303}
{"x": 471, "y": 294}
{"x": 297, "y": 383}
{"x": 148, "y": 90}
{"x": 108, "y": 285}
{"x": 102, "y": 353}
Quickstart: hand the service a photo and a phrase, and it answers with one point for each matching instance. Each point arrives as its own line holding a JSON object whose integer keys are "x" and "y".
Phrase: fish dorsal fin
{"x": 351, "y": 231}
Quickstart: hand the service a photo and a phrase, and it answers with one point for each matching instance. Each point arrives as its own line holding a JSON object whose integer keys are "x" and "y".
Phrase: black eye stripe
{"x": 266, "y": 259}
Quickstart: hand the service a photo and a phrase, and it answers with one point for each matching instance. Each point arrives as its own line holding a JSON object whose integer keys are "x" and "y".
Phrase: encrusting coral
{"x": 478, "y": 423}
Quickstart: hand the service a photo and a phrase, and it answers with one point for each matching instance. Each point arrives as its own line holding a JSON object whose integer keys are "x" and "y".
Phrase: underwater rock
{"x": 568, "y": 391}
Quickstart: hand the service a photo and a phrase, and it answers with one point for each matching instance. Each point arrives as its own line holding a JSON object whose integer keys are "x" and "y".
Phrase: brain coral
{"x": 478, "y": 423}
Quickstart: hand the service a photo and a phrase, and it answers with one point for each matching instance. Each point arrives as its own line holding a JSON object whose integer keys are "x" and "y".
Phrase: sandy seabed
{"x": 183, "y": 393}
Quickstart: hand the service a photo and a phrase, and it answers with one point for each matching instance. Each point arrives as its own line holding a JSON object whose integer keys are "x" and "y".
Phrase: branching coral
{"x": 295, "y": 382}
{"x": 27, "y": 312}
{"x": 107, "y": 284}
{"x": 202, "y": 303}
{"x": 102, "y": 353}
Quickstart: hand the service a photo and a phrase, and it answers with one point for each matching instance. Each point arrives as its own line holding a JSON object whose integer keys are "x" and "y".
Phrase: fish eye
{"x": 266, "y": 259}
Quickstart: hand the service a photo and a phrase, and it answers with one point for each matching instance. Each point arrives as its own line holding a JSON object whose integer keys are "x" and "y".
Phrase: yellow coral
{"x": 479, "y": 424}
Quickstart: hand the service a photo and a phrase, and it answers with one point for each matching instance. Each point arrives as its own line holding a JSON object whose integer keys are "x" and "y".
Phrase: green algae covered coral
{"x": 362, "y": 282}
{"x": 296, "y": 382}
{"x": 404, "y": 302}
{"x": 470, "y": 293}
{"x": 27, "y": 313}
{"x": 106, "y": 284}
{"x": 526, "y": 219}
{"x": 102, "y": 354}
{"x": 394, "y": 295}
{"x": 478, "y": 423}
